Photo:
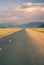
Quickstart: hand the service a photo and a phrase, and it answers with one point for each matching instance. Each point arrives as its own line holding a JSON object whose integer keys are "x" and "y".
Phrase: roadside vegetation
{"x": 6, "y": 31}
{"x": 38, "y": 29}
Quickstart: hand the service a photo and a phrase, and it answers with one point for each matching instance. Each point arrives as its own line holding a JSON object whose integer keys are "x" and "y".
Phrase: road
{"x": 20, "y": 49}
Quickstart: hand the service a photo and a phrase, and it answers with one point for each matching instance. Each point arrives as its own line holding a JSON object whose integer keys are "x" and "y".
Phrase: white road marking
{"x": 14, "y": 36}
{"x": 10, "y": 40}
{"x": 0, "y": 49}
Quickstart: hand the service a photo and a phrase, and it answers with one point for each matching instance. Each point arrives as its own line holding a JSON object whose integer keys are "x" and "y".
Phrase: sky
{"x": 21, "y": 11}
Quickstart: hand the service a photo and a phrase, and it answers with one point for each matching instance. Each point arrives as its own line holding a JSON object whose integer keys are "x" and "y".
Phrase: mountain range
{"x": 27, "y": 25}
{"x": 32, "y": 24}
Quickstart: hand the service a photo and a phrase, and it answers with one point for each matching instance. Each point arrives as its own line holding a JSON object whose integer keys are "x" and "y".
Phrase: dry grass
{"x": 38, "y": 29}
{"x": 6, "y": 31}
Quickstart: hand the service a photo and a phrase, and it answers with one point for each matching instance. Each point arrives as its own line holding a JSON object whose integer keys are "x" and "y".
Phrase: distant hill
{"x": 7, "y": 25}
{"x": 27, "y": 25}
{"x": 42, "y": 25}
{"x": 32, "y": 24}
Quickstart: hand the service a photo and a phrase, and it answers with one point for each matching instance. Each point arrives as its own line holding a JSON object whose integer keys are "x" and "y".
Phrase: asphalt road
{"x": 19, "y": 49}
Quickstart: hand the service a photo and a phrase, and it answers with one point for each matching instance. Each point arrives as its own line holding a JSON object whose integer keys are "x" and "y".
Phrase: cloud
{"x": 12, "y": 18}
{"x": 29, "y": 5}
{"x": 1, "y": 19}
{"x": 22, "y": 13}
{"x": 35, "y": 1}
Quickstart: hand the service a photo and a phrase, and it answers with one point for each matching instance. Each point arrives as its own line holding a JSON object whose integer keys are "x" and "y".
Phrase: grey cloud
{"x": 28, "y": 5}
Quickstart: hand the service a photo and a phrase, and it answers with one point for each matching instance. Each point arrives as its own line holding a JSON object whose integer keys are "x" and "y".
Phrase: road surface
{"x": 20, "y": 48}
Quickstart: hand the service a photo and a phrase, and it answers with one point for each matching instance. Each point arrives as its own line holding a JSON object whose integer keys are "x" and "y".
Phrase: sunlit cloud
{"x": 25, "y": 12}
{"x": 1, "y": 19}
{"x": 12, "y": 18}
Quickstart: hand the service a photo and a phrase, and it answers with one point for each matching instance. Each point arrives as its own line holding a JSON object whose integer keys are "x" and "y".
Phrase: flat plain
{"x": 38, "y": 29}
{"x": 7, "y": 31}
